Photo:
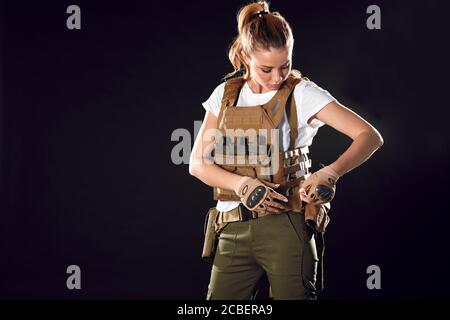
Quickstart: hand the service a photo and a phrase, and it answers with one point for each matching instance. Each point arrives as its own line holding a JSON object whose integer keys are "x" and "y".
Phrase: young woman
{"x": 261, "y": 218}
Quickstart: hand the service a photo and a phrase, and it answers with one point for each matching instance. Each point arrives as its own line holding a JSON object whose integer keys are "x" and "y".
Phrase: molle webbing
{"x": 292, "y": 165}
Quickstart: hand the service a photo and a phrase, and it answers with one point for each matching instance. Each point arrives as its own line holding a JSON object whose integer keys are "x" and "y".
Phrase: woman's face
{"x": 268, "y": 68}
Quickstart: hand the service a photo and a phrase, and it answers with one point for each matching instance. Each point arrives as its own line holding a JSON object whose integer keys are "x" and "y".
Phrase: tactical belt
{"x": 240, "y": 213}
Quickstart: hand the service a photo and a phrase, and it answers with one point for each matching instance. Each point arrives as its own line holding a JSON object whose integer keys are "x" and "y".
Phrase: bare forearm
{"x": 362, "y": 148}
{"x": 214, "y": 176}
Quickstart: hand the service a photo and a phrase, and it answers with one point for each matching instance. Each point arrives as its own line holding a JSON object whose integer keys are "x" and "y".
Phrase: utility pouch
{"x": 211, "y": 237}
{"x": 316, "y": 216}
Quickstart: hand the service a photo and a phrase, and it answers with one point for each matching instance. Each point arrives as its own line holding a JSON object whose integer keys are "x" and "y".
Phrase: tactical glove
{"x": 258, "y": 195}
{"x": 320, "y": 187}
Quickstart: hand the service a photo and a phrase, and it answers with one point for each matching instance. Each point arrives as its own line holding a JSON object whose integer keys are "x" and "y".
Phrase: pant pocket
{"x": 226, "y": 247}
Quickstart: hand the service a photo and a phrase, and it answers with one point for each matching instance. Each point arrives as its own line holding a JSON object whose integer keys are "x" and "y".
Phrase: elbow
{"x": 379, "y": 138}
{"x": 193, "y": 170}
{"x": 198, "y": 166}
{"x": 193, "y": 165}
{"x": 374, "y": 137}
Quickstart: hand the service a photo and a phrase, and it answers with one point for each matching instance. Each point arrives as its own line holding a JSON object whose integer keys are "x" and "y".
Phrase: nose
{"x": 277, "y": 78}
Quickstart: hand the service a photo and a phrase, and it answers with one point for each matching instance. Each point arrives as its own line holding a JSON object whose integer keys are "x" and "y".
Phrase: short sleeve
{"x": 215, "y": 100}
{"x": 312, "y": 99}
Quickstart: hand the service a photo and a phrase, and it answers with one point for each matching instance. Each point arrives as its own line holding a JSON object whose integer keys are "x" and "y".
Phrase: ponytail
{"x": 258, "y": 28}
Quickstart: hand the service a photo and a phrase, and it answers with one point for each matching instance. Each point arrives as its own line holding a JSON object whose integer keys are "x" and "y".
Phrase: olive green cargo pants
{"x": 280, "y": 245}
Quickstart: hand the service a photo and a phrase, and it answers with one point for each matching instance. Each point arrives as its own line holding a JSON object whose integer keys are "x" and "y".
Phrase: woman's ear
{"x": 245, "y": 58}
{"x": 246, "y": 61}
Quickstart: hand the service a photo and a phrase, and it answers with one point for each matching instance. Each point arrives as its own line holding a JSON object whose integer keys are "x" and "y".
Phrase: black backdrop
{"x": 86, "y": 118}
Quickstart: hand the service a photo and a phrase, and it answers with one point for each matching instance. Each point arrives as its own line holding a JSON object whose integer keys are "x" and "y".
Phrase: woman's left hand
{"x": 320, "y": 187}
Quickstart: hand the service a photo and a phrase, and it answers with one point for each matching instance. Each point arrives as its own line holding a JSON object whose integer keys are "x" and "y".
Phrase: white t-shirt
{"x": 309, "y": 99}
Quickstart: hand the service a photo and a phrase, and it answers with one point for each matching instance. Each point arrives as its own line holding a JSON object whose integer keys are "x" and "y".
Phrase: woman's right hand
{"x": 260, "y": 196}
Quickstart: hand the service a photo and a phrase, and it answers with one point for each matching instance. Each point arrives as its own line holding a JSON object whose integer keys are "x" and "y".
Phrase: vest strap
{"x": 230, "y": 96}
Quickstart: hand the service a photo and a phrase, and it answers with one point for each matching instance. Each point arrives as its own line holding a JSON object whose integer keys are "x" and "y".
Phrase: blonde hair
{"x": 258, "y": 28}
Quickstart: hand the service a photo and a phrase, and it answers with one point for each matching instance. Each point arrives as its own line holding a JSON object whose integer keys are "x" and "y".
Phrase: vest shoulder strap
{"x": 281, "y": 100}
{"x": 291, "y": 110}
{"x": 291, "y": 113}
{"x": 230, "y": 95}
{"x": 292, "y": 81}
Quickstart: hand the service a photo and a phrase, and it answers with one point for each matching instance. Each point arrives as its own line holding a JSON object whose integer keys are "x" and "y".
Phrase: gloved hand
{"x": 260, "y": 196}
{"x": 320, "y": 187}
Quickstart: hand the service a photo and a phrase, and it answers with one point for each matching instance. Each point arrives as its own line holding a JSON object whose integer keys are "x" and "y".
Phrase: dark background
{"x": 86, "y": 118}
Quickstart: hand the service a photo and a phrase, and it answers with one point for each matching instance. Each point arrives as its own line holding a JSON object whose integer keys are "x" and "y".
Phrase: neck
{"x": 256, "y": 87}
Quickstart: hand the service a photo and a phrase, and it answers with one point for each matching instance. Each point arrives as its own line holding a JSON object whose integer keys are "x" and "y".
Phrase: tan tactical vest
{"x": 257, "y": 155}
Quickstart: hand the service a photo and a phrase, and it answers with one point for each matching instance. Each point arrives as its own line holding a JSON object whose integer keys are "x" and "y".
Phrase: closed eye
{"x": 269, "y": 70}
